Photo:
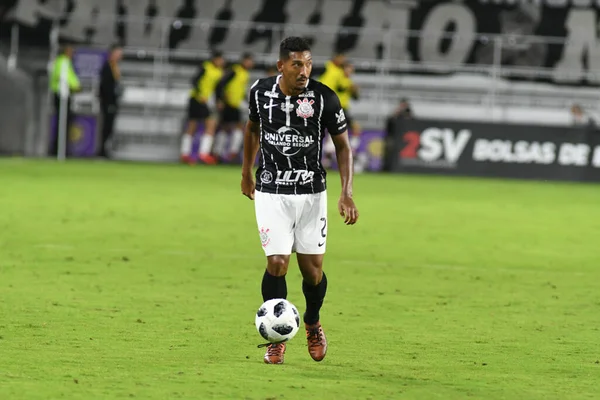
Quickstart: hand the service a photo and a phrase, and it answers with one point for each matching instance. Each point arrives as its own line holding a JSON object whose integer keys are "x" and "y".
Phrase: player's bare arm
{"x": 343, "y": 151}
{"x": 251, "y": 145}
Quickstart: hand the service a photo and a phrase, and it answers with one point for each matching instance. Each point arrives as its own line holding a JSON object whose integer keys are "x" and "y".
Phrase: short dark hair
{"x": 292, "y": 44}
{"x": 247, "y": 55}
{"x": 216, "y": 54}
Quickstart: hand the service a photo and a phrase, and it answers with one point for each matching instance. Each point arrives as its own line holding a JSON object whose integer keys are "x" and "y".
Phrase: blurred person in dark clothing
{"x": 109, "y": 94}
{"x": 402, "y": 111}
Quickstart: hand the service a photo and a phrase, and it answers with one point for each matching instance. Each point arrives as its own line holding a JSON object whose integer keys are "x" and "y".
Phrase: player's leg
{"x": 354, "y": 130}
{"x": 360, "y": 160}
{"x": 328, "y": 151}
{"x": 275, "y": 227}
{"x": 220, "y": 147}
{"x": 311, "y": 236}
{"x": 193, "y": 115}
{"x": 237, "y": 135}
{"x": 230, "y": 118}
{"x": 208, "y": 136}
{"x": 53, "y": 148}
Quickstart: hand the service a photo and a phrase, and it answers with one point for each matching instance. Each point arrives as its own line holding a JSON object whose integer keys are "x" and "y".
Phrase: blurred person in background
{"x": 578, "y": 116}
{"x": 402, "y": 111}
{"x": 346, "y": 90}
{"x": 205, "y": 83}
{"x": 109, "y": 94}
{"x": 333, "y": 77}
{"x": 231, "y": 93}
{"x": 334, "y": 72}
{"x": 63, "y": 65}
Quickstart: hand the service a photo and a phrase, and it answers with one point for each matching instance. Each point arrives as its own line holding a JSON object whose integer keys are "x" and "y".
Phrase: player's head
{"x": 217, "y": 59}
{"x": 116, "y": 53}
{"x": 295, "y": 62}
{"x": 339, "y": 59}
{"x": 67, "y": 50}
{"x": 247, "y": 61}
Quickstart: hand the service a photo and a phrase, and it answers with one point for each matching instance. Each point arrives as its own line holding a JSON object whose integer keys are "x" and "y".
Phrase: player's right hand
{"x": 248, "y": 186}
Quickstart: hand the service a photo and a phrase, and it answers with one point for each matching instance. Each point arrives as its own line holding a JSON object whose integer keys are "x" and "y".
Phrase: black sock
{"x": 273, "y": 287}
{"x": 314, "y": 300}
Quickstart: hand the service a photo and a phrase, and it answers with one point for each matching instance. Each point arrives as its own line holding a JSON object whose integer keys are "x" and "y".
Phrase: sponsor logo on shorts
{"x": 266, "y": 177}
{"x": 264, "y": 237}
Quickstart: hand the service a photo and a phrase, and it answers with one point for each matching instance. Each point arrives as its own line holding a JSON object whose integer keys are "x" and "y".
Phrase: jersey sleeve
{"x": 333, "y": 114}
{"x": 253, "y": 114}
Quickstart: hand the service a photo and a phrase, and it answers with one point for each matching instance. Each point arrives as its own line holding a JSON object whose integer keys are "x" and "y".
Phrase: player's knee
{"x": 312, "y": 275}
{"x": 278, "y": 265}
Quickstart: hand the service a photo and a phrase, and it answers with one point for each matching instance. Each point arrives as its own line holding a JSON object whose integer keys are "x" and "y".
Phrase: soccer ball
{"x": 277, "y": 320}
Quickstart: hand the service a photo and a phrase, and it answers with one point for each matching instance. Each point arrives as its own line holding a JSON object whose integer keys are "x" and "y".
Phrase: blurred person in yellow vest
{"x": 63, "y": 82}
{"x": 204, "y": 85}
{"x": 347, "y": 90}
{"x": 334, "y": 72}
{"x": 231, "y": 93}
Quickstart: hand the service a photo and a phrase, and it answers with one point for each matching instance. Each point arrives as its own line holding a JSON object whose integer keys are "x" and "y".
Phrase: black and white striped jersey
{"x": 291, "y": 135}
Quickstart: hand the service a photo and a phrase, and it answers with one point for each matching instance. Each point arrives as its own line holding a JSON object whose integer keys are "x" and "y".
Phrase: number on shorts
{"x": 324, "y": 228}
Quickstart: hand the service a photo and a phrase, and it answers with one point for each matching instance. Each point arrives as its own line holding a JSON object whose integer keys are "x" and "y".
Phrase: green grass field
{"x": 141, "y": 281}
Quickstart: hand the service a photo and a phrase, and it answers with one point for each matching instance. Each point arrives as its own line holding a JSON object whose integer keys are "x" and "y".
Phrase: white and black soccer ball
{"x": 277, "y": 320}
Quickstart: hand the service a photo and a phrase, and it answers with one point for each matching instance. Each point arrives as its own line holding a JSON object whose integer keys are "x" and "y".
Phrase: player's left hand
{"x": 348, "y": 210}
{"x": 248, "y": 186}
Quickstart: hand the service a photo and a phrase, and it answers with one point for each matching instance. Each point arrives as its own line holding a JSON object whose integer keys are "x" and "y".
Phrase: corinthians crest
{"x": 305, "y": 108}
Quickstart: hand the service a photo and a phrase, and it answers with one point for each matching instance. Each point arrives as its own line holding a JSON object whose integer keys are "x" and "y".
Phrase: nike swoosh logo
{"x": 267, "y": 106}
{"x": 321, "y": 244}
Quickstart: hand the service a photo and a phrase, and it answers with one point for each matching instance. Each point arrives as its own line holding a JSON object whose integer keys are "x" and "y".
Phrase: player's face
{"x": 219, "y": 62}
{"x": 296, "y": 69}
{"x": 117, "y": 55}
{"x": 248, "y": 63}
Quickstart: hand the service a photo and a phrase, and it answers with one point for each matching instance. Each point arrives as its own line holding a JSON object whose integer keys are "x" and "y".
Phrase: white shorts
{"x": 289, "y": 223}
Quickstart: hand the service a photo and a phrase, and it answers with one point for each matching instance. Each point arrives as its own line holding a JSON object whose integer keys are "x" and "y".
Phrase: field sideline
{"x": 124, "y": 280}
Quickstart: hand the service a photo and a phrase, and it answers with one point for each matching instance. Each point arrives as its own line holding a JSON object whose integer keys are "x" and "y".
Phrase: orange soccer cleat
{"x": 275, "y": 352}
{"x": 317, "y": 342}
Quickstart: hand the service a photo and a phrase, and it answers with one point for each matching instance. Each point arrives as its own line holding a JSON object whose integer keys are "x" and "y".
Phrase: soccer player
{"x": 346, "y": 89}
{"x": 205, "y": 82}
{"x": 231, "y": 92}
{"x": 288, "y": 115}
{"x": 63, "y": 68}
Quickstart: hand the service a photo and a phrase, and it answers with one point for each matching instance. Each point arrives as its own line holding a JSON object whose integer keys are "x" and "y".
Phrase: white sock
{"x": 186, "y": 145}
{"x": 354, "y": 142}
{"x": 237, "y": 139}
{"x": 206, "y": 144}
{"x": 220, "y": 142}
